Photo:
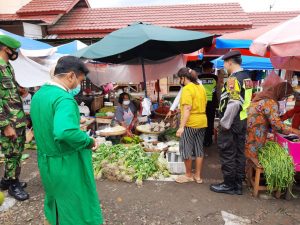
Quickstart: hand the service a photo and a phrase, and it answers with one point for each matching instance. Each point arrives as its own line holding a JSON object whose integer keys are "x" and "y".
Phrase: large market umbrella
{"x": 241, "y": 39}
{"x": 140, "y": 41}
{"x": 283, "y": 42}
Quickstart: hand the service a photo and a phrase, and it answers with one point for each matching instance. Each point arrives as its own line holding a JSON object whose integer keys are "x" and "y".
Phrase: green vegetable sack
{"x": 278, "y": 166}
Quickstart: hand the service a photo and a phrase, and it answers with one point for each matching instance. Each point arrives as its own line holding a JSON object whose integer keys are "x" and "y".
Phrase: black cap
{"x": 231, "y": 54}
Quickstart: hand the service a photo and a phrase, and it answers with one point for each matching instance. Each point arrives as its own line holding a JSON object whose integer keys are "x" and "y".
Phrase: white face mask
{"x": 126, "y": 102}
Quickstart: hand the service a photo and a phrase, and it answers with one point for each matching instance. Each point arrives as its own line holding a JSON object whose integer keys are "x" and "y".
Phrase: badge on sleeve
{"x": 248, "y": 84}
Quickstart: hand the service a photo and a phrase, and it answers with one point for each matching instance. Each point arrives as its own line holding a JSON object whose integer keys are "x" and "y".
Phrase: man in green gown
{"x": 64, "y": 151}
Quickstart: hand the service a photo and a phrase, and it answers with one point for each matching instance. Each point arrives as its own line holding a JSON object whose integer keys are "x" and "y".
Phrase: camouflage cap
{"x": 9, "y": 41}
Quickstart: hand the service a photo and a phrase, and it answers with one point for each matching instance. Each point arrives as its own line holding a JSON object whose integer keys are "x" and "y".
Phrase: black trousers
{"x": 231, "y": 145}
{"x": 210, "y": 114}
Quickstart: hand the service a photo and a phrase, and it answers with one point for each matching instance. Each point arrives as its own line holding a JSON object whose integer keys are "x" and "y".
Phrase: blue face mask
{"x": 75, "y": 91}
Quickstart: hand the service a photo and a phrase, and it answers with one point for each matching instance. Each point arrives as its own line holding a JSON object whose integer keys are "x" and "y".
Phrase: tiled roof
{"x": 47, "y": 7}
{"x": 46, "y": 11}
{"x": 47, "y": 19}
{"x": 260, "y": 19}
{"x": 196, "y": 17}
{"x": 97, "y": 34}
{"x": 8, "y": 17}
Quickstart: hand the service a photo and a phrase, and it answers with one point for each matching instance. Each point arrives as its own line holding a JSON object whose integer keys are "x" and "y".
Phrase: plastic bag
{"x": 146, "y": 104}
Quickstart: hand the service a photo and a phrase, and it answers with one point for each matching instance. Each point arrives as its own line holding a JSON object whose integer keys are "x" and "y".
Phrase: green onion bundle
{"x": 278, "y": 166}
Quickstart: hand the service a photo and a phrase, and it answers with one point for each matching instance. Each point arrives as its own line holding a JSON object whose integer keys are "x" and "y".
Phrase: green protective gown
{"x": 64, "y": 159}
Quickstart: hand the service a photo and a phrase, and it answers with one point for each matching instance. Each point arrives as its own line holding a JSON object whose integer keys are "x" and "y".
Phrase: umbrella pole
{"x": 144, "y": 75}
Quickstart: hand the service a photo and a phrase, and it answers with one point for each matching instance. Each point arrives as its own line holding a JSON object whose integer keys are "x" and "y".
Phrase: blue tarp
{"x": 27, "y": 43}
{"x": 70, "y": 48}
{"x": 248, "y": 62}
{"x": 232, "y": 43}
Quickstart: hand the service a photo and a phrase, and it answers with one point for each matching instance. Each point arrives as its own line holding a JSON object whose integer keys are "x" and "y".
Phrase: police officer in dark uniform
{"x": 235, "y": 99}
{"x": 209, "y": 81}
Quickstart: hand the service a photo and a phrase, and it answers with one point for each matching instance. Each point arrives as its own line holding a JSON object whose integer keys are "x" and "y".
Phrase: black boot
{"x": 226, "y": 188}
{"x": 17, "y": 191}
{"x": 239, "y": 188}
{"x": 5, "y": 183}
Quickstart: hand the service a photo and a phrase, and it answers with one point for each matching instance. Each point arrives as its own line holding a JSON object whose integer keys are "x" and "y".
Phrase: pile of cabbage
{"x": 129, "y": 164}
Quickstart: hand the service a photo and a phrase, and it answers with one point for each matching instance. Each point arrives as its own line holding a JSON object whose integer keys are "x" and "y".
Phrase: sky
{"x": 248, "y": 5}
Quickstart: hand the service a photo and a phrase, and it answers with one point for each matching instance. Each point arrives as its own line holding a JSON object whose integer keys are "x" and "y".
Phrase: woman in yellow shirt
{"x": 192, "y": 124}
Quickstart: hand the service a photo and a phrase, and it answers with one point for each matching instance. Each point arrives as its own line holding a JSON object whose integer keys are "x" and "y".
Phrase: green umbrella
{"x": 140, "y": 41}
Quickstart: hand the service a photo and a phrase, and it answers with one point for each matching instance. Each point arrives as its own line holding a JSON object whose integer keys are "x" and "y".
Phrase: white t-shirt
{"x": 26, "y": 103}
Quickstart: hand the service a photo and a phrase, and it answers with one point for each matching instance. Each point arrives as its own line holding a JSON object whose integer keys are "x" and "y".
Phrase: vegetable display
{"x": 107, "y": 109}
{"x": 100, "y": 114}
{"x": 128, "y": 164}
{"x": 168, "y": 135}
{"x": 153, "y": 127}
{"x": 104, "y": 114}
{"x": 135, "y": 139}
{"x": 278, "y": 166}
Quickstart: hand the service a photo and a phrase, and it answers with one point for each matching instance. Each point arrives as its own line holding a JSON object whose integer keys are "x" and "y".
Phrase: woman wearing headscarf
{"x": 263, "y": 114}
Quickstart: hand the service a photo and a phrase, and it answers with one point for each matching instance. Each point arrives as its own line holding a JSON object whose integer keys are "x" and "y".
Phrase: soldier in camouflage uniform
{"x": 12, "y": 120}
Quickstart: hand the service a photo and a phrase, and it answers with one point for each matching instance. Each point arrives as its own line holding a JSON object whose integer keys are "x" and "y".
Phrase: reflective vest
{"x": 237, "y": 90}
{"x": 210, "y": 85}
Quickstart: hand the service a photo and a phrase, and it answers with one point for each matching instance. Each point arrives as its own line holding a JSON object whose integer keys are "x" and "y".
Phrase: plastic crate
{"x": 176, "y": 165}
{"x": 292, "y": 147}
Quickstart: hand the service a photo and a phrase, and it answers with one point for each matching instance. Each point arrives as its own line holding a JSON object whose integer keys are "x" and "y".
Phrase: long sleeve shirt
{"x": 295, "y": 115}
{"x": 11, "y": 106}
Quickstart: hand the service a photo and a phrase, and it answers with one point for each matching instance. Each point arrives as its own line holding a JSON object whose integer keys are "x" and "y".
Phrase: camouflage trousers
{"x": 12, "y": 150}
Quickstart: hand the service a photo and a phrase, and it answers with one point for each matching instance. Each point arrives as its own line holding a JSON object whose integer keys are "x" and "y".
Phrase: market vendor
{"x": 294, "y": 113}
{"x": 263, "y": 114}
{"x": 126, "y": 112}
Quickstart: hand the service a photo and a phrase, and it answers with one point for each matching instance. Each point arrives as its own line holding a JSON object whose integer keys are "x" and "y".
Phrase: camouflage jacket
{"x": 11, "y": 106}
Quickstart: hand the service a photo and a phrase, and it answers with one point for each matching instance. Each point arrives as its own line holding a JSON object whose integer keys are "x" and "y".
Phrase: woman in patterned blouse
{"x": 263, "y": 114}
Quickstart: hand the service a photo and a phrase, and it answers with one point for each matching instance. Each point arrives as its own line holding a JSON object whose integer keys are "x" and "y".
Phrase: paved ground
{"x": 162, "y": 202}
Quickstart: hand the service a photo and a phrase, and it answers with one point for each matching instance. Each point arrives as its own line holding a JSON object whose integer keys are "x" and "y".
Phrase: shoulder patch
{"x": 248, "y": 84}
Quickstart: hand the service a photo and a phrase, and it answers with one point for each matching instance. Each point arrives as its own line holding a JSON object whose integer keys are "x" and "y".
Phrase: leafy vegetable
{"x": 100, "y": 114}
{"x": 127, "y": 164}
{"x": 168, "y": 135}
{"x": 278, "y": 166}
{"x": 135, "y": 139}
{"x": 30, "y": 146}
{"x": 107, "y": 109}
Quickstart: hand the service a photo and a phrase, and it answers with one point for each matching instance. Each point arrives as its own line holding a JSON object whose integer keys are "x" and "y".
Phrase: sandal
{"x": 198, "y": 180}
{"x": 183, "y": 179}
